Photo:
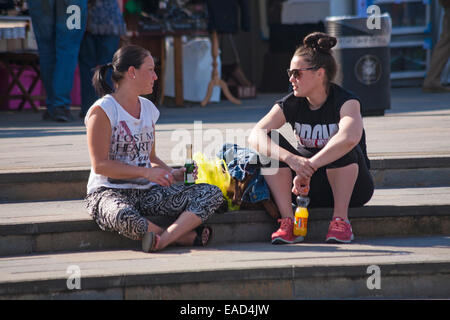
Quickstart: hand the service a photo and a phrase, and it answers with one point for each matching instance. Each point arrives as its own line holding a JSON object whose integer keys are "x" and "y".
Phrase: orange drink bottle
{"x": 301, "y": 216}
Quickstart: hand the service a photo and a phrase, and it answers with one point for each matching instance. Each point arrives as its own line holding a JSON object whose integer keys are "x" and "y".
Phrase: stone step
{"x": 56, "y": 226}
{"x": 69, "y": 183}
{"x": 371, "y": 268}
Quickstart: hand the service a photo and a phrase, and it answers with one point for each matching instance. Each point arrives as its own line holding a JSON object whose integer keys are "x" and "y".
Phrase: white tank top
{"x": 131, "y": 142}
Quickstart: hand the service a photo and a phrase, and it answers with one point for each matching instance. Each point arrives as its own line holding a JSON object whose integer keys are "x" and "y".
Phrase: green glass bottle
{"x": 189, "y": 165}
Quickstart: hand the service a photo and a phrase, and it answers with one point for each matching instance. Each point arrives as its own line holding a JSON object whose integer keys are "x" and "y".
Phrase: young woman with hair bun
{"x": 330, "y": 157}
{"x": 128, "y": 183}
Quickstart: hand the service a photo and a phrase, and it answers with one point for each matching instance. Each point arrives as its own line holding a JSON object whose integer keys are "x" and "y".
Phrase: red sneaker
{"x": 339, "y": 231}
{"x": 285, "y": 234}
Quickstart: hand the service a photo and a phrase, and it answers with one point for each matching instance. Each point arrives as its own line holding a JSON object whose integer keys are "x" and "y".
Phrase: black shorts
{"x": 320, "y": 193}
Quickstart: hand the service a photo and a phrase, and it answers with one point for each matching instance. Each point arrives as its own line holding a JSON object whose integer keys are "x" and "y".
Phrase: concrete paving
{"x": 62, "y": 226}
{"x": 249, "y": 270}
{"x": 227, "y": 256}
{"x": 73, "y": 210}
{"x": 417, "y": 125}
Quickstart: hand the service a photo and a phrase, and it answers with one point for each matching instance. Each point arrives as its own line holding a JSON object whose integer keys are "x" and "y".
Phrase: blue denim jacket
{"x": 243, "y": 161}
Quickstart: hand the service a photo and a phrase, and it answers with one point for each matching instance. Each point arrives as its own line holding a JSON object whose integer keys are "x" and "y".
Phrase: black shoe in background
{"x": 60, "y": 114}
{"x": 46, "y": 116}
{"x": 68, "y": 114}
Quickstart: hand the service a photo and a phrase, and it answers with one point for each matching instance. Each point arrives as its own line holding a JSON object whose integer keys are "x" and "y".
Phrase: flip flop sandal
{"x": 198, "y": 242}
{"x": 149, "y": 242}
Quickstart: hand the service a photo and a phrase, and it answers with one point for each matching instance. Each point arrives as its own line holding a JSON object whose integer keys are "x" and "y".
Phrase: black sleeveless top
{"x": 314, "y": 128}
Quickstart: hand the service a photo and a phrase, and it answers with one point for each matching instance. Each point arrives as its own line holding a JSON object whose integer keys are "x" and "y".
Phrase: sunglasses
{"x": 297, "y": 72}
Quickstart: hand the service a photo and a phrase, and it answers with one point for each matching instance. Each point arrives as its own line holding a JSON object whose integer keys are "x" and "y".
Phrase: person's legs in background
{"x": 67, "y": 48}
{"x": 439, "y": 58}
{"x": 86, "y": 62}
{"x": 107, "y": 45}
{"x": 43, "y": 18}
{"x": 95, "y": 50}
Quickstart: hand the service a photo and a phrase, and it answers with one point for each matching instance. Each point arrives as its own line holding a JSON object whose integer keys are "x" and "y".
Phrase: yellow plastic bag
{"x": 215, "y": 172}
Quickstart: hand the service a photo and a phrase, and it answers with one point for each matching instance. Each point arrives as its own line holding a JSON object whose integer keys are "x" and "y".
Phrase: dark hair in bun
{"x": 320, "y": 42}
{"x": 316, "y": 50}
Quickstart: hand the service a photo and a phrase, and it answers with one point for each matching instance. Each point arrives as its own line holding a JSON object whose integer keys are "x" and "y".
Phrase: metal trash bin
{"x": 363, "y": 58}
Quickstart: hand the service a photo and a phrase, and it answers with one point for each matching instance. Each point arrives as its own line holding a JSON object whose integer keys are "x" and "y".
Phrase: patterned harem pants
{"x": 125, "y": 210}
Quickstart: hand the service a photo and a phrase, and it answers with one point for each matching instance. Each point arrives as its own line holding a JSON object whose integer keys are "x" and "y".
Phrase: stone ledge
{"x": 295, "y": 271}
{"x": 82, "y": 174}
{"x": 235, "y": 217}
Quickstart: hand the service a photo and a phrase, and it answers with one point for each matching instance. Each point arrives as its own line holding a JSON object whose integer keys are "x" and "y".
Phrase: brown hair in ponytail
{"x": 123, "y": 59}
{"x": 316, "y": 50}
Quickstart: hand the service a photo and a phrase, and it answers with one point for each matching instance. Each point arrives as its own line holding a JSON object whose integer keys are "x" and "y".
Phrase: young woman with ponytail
{"x": 128, "y": 183}
{"x": 330, "y": 157}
